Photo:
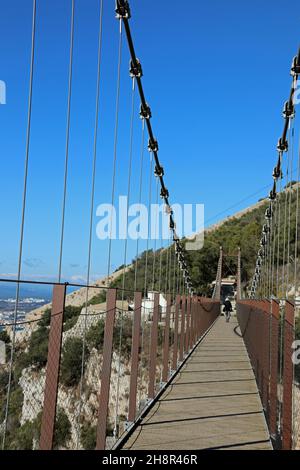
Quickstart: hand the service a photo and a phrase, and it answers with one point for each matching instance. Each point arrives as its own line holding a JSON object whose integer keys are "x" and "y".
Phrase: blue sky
{"x": 216, "y": 75}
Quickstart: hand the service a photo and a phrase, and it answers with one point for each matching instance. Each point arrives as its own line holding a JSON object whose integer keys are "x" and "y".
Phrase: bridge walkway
{"x": 212, "y": 403}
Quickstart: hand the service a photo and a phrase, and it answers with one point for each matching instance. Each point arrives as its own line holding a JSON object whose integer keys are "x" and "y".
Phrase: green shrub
{"x": 126, "y": 325}
{"x": 69, "y": 312}
{"x": 38, "y": 348}
{"x": 71, "y": 361}
{"x": 88, "y": 436}
{"x": 70, "y": 323}
{"x": 62, "y": 432}
{"x": 23, "y": 437}
{"x": 3, "y": 381}
{"x": 95, "y": 335}
{"x": 15, "y": 410}
{"x": 45, "y": 319}
{"x": 4, "y": 336}
{"x": 98, "y": 299}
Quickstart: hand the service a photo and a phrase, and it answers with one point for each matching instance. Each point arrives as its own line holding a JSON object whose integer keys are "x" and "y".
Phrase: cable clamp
{"x": 282, "y": 146}
{"x": 268, "y": 213}
{"x": 288, "y": 110}
{"x": 164, "y": 193}
{"x": 263, "y": 241}
{"x": 277, "y": 171}
{"x": 295, "y": 69}
{"x": 266, "y": 228}
{"x": 272, "y": 195}
{"x": 145, "y": 112}
{"x": 122, "y": 10}
{"x": 153, "y": 146}
{"x": 135, "y": 70}
{"x": 159, "y": 171}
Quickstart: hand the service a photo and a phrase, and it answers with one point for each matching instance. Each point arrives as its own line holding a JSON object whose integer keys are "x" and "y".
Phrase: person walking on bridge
{"x": 227, "y": 309}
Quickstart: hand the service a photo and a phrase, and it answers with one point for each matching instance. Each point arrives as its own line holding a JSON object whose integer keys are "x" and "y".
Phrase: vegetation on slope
{"x": 244, "y": 232}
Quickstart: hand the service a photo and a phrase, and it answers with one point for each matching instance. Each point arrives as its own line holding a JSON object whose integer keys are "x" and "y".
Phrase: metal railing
{"x": 268, "y": 329}
{"x": 80, "y": 377}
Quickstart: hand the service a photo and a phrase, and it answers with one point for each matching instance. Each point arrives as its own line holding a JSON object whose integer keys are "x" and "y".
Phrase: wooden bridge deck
{"x": 213, "y": 403}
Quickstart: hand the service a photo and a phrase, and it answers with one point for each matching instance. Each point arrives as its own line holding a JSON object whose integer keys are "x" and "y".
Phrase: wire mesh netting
{"x": 52, "y": 366}
{"x": 23, "y": 379}
{"x": 296, "y": 387}
{"x": 280, "y": 368}
{"x": 120, "y": 373}
{"x": 24, "y": 339}
{"x": 79, "y": 378}
{"x": 22, "y": 382}
{"x": 144, "y": 358}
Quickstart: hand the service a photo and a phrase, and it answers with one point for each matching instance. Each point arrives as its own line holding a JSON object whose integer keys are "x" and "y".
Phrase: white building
{"x": 148, "y": 305}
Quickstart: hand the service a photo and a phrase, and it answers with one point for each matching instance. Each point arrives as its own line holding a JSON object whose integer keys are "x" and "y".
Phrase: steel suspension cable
{"x": 274, "y": 247}
{"x": 289, "y": 210}
{"x": 174, "y": 280}
{"x": 125, "y": 256}
{"x": 295, "y": 407}
{"x": 23, "y": 213}
{"x": 296, "y": 252}
{"x": 140, "y": 198}
{"x": 270, "y": 251}
{"x": 115, "y": 149}
{"x": 278, "y": 241}
{"x": 167, "y": 267}
{"x": 92, "y": 204}
{"x": 282, "y": 147}
{"x": 155, "y": 234}
{"x": 147, "y": 247}
{"x": 66, "y": 170}
{"x": 285, "y": 221}
{"x": 177, "y": 280}
{"x": 160, "y": 266}
{"x": 170, "y": 266}
{"x": 124, "y": 14}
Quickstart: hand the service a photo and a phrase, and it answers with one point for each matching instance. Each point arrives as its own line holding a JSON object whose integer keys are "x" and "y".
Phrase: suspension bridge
{"x": 140, "y": 359}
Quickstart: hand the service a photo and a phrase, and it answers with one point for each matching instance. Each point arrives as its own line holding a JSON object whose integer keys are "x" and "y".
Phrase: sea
{"x": 30, "y": 299}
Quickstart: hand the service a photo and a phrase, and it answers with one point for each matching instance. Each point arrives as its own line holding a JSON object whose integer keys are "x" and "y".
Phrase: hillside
{"x": 242, "y": 229}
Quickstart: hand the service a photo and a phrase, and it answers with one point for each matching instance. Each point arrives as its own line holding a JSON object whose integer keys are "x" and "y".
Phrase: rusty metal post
{"x": 165, "y": 372}
{"x": 266, "y": 352}
{"x": 288, "y": 375}
{"x": 198, "y": 318}
{"x": 135, "y": 356}
{"x": 53, "y": 365}
{"x": 111, "y": 298}
{"x": 188, "y": 326}
{"x": 153, "y": 348}
{"x": 175, "y": 348}
{"x": 192, "y": 334}
{"x": 182, "y": 329}
{"x": 274, "y": 368}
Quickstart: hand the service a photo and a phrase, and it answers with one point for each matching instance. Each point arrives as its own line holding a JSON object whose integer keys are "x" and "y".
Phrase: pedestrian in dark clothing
{"x": 227, "y": 309}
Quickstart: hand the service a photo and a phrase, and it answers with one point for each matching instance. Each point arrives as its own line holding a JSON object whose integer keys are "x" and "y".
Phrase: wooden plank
{"x": 212, "y": 403}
